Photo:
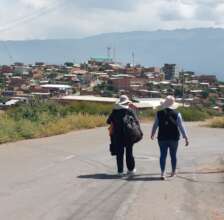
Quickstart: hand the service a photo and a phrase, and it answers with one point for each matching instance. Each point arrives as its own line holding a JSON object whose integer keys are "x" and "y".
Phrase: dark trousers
{"x": 164, "y": 146}
{"x": 130, "y": 161}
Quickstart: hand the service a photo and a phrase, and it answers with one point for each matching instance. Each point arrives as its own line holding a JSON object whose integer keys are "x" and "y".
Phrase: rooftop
{"x": 56, "y": 86}
{"x": 88, "y": 98}
{"x": 139, "y": 102}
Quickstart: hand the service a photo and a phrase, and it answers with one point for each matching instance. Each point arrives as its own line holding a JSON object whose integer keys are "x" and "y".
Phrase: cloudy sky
{"x": 42, "y": 19}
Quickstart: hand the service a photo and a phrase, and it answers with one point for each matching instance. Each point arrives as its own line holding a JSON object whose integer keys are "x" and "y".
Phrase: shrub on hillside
{"x": 71, "y": 122}
{"x": 217, "y": 122}
{"x": 146, "y": 114}
{"x": 40, "y": 119}
{"x": 90, "y": 108}
{"x": 7, "y": 129}
{"x": 193, "y": 114}
{"x": 34, "y": 110}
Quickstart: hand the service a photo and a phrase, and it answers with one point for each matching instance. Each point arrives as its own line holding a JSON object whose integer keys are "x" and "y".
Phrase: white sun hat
{"x": 123, "y": 102}
{"x": 169, "y": 102}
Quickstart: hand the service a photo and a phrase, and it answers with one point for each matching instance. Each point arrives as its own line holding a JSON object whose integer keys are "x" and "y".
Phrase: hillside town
{"x": 102, "y": 80}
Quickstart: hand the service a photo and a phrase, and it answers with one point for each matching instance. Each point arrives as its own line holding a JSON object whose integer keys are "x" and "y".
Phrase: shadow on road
{"x": 144, "y": 178}
{"x": 100, "y": 176}
{"x": 104, "y": 176}
{"x": 201, "y": 172}
{"x": 149, "y": 176}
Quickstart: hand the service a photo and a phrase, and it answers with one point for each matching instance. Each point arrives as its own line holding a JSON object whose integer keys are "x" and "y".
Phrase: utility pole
{"x": 183, "y": 82}
{"x": 133, "y": 58}
{"x": 114, "y": 55}
{"x": 108, "y": 52}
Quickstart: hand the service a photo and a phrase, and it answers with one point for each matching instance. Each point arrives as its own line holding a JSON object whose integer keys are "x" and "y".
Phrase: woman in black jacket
{"x": 121, "y": 109}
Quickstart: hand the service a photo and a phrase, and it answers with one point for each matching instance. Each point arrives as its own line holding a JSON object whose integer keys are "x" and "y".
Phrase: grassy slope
{"x": 41, "y": 119}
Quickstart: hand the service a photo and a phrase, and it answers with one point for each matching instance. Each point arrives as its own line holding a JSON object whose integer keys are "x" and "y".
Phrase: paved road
{"x": 71, "y": 177}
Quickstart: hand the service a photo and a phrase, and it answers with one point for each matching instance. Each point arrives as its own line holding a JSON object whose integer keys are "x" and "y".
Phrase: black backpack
{"x": 131, "y": 130}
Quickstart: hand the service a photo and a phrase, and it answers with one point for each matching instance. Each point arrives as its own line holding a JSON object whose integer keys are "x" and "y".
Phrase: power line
{"x": 29, "y": 18}
{"x": 11, "y": 58}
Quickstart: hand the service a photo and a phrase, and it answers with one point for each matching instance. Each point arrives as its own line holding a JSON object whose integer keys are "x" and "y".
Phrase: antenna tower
{"x": 108, "y": 52}
{"x": 133, "y": 58}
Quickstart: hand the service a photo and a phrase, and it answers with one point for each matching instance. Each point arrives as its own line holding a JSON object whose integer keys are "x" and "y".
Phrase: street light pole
{"x": 182, "y": 72}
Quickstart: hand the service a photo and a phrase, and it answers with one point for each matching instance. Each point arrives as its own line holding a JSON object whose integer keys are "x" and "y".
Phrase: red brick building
{"x": 121, "y": 82}
{"x": 207, "y": 79}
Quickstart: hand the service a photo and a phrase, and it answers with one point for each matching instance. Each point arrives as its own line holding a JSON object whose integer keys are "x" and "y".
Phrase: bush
{"x": 198, "y": 113}
{"x": 7, "y": 129}
{"x": 188, "y": 114}
{"x": 40, "y": 119}
{"x": 34, "y": 110}
{"x": 25, "y": 129}
{"x": 217, "y": 122}
{"x": 72, "y": 122}
{"x": 90, "y": 108}
{"x": 193, "y": 114}
{"x": 146, "y": 114}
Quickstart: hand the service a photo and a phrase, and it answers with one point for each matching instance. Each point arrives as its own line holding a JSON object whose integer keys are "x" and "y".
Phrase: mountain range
{"x": 200, "y": 50}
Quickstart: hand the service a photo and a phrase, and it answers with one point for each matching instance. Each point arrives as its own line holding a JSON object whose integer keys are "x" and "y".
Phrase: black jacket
{"x": 116, "y": 118}
{"x": 168, "y": 129}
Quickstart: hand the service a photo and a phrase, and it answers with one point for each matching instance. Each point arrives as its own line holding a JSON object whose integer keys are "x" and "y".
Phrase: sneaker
{"x": 131, "y": 173}
{"x": 163, "y": 177}
{"x": 173, "y": 174}
{"x": 120, "y": 174}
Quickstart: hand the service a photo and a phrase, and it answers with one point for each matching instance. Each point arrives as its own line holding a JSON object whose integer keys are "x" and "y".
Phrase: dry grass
{"x": 146, "y": 119}
{"x": 12, "y": 130}
{"x": 217, "y": 122}
{"x": 72, "y": 122}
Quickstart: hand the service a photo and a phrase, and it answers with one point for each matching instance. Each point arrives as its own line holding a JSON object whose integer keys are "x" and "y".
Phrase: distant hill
{"x": 200, "y": 50}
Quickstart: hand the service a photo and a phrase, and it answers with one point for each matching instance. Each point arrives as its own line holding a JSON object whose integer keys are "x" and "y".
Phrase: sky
{"x": 53, "y": 19}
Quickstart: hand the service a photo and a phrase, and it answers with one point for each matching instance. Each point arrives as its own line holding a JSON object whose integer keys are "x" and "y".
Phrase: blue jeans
{"x": 164, "y": 146}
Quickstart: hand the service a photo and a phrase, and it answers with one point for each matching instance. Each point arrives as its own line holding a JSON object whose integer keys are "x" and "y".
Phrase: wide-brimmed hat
{"x": 169, "y": 102}
{"x": 123, "y": 102}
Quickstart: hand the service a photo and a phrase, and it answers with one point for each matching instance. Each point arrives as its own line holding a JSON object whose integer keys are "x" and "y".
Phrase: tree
{"x": 212, "y": 101}
{"x": 205, "y": 94}
{"x": 2, "y": 82}
{"x": 178, "y": 92}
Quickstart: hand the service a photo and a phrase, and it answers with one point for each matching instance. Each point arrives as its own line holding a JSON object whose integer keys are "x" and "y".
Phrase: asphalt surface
{"x": 72, "y": 177}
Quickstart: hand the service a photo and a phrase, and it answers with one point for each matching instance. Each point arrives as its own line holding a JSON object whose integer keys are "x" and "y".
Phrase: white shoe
{"x": 131, "y": 173}
{"x": 163, "y": 176}
{"x": 173, "y": 174}
{"x": 120, "y": 174}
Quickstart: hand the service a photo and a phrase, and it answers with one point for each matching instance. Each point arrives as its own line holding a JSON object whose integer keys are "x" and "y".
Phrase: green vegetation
{"x": 105, "y": 89}
{"x": 2, "y": 81}
{"x": 146, "y": 114}
{"x": 188, "y": 114}
{"x": 3, "y": 99}
{"x": 197, "y": 113}
{"x": 41, "y": 119}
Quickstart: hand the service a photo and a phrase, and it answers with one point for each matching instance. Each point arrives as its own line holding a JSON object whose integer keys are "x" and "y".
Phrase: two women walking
{"x": 169, "y": 124}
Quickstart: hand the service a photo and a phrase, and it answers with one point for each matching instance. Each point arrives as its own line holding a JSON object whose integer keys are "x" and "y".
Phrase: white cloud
{"x": 36, "y": 4}
{"x": 67, "y": 18}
